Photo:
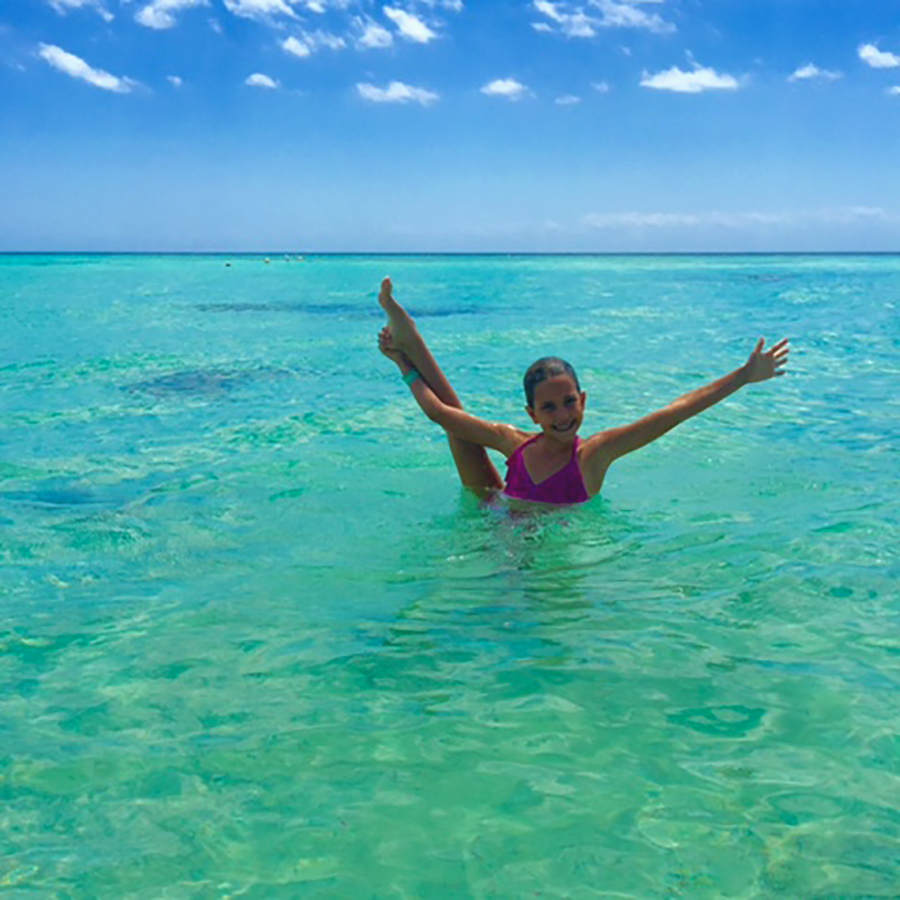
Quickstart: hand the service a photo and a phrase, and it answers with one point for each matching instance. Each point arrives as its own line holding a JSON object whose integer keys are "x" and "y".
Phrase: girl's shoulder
{"x": 519, "y": 438}
{"x": 505, "y": 438}
{"x": 594, "y": 442}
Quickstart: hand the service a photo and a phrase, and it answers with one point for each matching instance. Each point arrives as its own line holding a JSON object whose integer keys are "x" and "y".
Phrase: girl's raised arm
{"x": 607, "y": 446}
{"x": 457, "y": 422}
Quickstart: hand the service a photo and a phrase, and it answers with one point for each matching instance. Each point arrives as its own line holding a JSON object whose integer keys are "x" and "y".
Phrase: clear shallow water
{"x": 255, "y": 642}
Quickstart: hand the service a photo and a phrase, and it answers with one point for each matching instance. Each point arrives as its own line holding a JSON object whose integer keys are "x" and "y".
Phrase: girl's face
{"x": 558, "y": 408}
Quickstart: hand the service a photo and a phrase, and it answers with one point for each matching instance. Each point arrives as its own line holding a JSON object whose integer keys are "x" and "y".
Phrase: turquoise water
{"x": 255, "y": 641}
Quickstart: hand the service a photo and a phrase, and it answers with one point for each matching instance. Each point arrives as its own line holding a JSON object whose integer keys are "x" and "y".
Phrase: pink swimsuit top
{"x": 564, "y": 486}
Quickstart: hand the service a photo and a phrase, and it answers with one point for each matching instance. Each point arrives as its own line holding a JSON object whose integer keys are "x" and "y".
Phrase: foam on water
{"x": 257, "y": 643}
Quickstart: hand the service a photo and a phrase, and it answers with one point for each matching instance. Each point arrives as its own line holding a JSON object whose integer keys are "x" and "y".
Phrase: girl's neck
{"x": 552, "y": 447}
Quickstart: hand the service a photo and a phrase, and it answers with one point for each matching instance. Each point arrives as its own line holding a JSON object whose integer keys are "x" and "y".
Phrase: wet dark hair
{"x": 544, "y": 368}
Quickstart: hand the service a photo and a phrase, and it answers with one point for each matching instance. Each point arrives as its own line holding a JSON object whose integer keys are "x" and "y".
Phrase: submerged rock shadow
{"x": 205, "y": 382}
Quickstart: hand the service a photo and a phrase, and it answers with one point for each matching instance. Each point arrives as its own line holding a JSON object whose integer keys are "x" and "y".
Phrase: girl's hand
{"x": 386, "y": 346}
{"x": 769, "y": 364}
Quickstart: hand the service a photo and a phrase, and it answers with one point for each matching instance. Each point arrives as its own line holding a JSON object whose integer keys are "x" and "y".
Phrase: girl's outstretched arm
{"x": 607, "y": 446}
{"x": 454, "y": 421}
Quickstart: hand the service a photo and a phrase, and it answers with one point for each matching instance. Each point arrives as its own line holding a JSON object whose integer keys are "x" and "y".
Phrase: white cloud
{"x": 78, "y": 68}
{"x": 297, "y": 47}
{"x": 413, "y": 19}
{"x": 325, "y": 39}
{"x": 629, "y": 15}
{"x": 548, "y": 9}
{"x": 600, "y": 86}
{"x": 175, "y": 80}
{"x": 693, "y": 82}
{"x": 878, "y": 59}
{"x": 894, "y": 91}
{"x": 845, "y": 215}
{"x": 571, "y": 24}
{"x": 259, "y": 9}
{"x": 580, "y": 21}
{"x": 638, "y": 220}
{"x": 505, "y": 87}
{"x": 409, "y": 26}
{"x": 657, "y": 220}
{"x": 308, "y": 42}
{"x": 63, "y": 6}
{"x": 567, "y": 100}
{"x": 396, "y": 92}
{"x": 160, "y": 14}
{"x": 372, "y": 36}
{"x": 810, "y": 71}
{"x": 257, "y": 79}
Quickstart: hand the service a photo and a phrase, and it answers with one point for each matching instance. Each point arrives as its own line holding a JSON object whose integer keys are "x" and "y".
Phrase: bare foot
{"x": 388, "y": 348}
{"x": 403, "y": 328}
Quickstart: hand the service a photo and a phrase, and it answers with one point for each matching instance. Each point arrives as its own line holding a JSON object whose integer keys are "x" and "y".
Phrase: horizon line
{"x": 304, "y": 253}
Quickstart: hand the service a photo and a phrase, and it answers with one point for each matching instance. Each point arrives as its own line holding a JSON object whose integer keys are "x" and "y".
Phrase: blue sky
{"x": 459, "y": 125}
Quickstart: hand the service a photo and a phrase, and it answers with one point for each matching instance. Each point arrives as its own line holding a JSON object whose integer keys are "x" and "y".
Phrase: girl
{"x": 553, "y": 466}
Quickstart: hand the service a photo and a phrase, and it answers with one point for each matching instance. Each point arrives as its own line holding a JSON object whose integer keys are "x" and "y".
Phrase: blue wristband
{"x": 411, "y": 376}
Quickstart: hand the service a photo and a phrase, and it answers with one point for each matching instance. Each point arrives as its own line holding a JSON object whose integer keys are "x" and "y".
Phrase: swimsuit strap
{"x": 517, "y": 453}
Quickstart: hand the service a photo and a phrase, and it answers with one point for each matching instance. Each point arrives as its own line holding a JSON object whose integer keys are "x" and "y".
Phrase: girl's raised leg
{"x": 476, "y": 471}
